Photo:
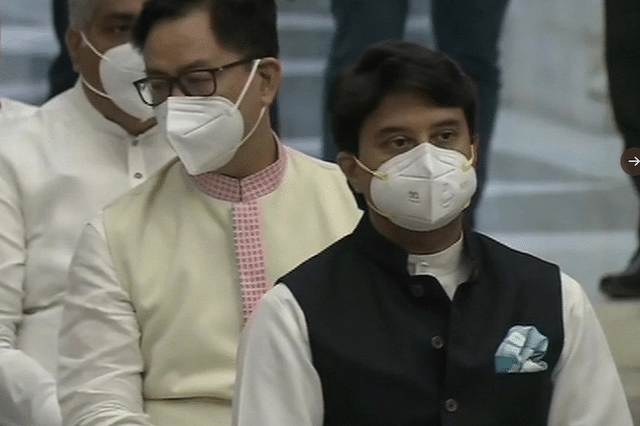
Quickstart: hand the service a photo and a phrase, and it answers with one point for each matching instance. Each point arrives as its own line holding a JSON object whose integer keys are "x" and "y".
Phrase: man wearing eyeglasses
{"x": 164, "y": 279}
{"x": 69, "y": 158}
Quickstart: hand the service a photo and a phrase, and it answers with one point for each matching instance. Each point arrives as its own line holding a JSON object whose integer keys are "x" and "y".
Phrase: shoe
{"x": 621, "y": 286}
{"x": 627, "y": 283}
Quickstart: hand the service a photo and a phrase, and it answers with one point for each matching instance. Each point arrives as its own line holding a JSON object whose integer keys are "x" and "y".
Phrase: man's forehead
{"x": 408, "y": 107}
{"x": 184, "y": 43}
{"x": 124, "y": 9}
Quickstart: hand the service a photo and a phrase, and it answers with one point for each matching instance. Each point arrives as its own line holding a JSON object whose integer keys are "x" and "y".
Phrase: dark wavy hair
{"x": 392, "y": 67}
{"x": 245, "y": 26}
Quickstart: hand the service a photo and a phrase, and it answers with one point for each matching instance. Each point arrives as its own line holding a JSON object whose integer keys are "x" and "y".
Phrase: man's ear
{"x": 74, "y": 41}
{"x": 475, "y": 146}
{"x": 270, "y": 71}
{"x": 348, "y": 165}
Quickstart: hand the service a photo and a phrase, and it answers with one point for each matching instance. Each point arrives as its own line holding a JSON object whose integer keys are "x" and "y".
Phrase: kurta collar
{"x": 395, "y": 259}
{"x": 444, "y": 262}
{"x": 249, "y": 188}
{"x": 384, "y": 252}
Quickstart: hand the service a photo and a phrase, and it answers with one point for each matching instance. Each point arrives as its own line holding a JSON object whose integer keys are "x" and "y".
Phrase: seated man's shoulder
{"x": 500, "y": 246}
{"x": 37, "y": 127}
{"x": 22, "y": 141}
{"x": 316, "y": 176}
{"x": 487, "y": 248}
{"x": 322, "y": 267}
{"x": 312, "y": 164}
{"x": 10, "y": 109}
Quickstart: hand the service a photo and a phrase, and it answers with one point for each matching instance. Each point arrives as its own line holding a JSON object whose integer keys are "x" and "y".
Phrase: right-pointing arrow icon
{"x": 630, "y": 161}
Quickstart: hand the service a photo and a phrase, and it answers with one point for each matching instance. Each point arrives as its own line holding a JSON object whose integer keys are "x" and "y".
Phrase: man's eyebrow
{"x": 198, "y": 64}
{"x": 456, "y": 122}
{"x": 122, "y": 17}
{"x": 390, "y": 129}
{"x": 447, "y": 122}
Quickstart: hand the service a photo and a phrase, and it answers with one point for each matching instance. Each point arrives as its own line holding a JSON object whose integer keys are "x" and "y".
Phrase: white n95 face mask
{"x": 205, "y": 132}
{"x": 119, "y": 68}
{"x": 424, "y": 188}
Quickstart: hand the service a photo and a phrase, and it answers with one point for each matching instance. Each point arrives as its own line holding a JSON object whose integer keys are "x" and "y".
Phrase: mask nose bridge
{"x": 467, "y": 166}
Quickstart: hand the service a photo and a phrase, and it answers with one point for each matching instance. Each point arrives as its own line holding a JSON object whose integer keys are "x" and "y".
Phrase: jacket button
{"x": 417, "y": 290}
{"x": 437, "y": 342}
{"x": 451, "y": 405}
{"x": 138, "y": 175}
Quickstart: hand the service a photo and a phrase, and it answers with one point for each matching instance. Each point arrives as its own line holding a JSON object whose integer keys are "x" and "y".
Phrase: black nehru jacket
{"x": 393, "y": 350}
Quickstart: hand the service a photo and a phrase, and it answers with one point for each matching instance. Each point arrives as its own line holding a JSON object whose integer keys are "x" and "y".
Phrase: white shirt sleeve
{"x": 27, "y": 392}
{"x": 100, "y": 364}
{"x": 276, "y": 382}
{"x": 587, "y": 388}
{"x": 278, "y": 385}
{"x": 27, "y": 389}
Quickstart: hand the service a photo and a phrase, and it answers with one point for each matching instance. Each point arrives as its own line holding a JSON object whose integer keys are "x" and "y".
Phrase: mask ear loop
{"x": 86, "y": 41}
{"x": 93, "y": 89}
{"x": 377, "y": 174}
{"x": 101, "y": 56}
{"x": 255, "y": 126}
{"x": 468, "y": 165}
{"x": 466, "y": 168}
{"x": 254, "y": 68}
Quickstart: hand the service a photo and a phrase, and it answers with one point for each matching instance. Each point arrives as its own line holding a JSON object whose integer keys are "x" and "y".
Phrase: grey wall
{"x": 552, "y": 60}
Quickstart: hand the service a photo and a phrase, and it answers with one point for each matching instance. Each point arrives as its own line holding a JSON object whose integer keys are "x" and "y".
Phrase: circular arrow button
{"x": 630, "y": 161}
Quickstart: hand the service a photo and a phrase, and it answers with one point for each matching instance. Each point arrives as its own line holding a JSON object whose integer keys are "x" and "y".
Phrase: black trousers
{"x": 623, "y": 66}
{"x": 61, "y": 73}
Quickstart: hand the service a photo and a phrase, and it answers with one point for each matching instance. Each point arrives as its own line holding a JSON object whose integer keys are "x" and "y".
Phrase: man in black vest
{"x": 412, "y": 320}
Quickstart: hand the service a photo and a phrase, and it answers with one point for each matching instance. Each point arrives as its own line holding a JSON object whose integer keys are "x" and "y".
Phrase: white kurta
{"x": 278, "y": 385}
{"x": 57, "y": 168}
{"x": 10, "y": 109}
{"x": 159, "y": 281}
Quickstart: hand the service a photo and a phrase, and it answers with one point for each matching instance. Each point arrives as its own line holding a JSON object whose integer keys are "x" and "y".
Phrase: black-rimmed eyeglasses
{"x": 154, "y": 90}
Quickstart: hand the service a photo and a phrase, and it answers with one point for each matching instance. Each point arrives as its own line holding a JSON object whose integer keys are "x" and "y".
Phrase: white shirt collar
{"x": 441, "y": 263}
{"x": 450, "y": 266}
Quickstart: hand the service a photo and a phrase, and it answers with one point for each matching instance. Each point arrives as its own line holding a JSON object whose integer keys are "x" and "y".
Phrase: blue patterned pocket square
{"x": 522, "y": 351}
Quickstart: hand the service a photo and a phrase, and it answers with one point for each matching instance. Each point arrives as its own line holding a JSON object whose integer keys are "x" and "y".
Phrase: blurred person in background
{"x": 622, "y": 53}
{"x": 76, "y": 153}
{"x": 8, "y": 107}
{"x": 466, "y": 30}
{"x": 62, "y": 76}
{"x": 413, "y": 319}
{"x": 163, "y": 280}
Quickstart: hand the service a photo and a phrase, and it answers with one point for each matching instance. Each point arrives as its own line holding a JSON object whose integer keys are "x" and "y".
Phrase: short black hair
{"x": 245, "y": 26}
{"x": 393, "y": 67}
